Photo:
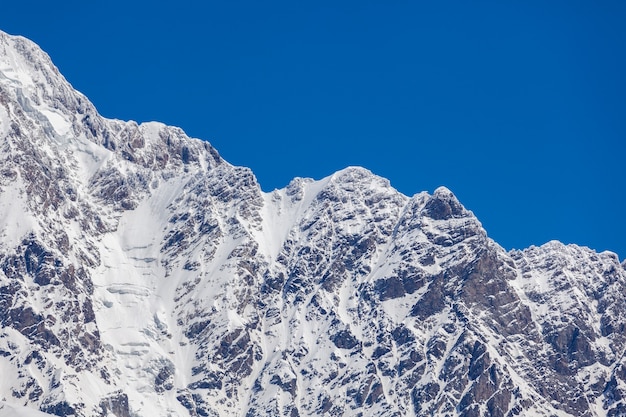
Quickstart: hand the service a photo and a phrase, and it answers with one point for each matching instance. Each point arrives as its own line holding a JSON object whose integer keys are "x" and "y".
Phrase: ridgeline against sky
{"x": 519, "y": 109}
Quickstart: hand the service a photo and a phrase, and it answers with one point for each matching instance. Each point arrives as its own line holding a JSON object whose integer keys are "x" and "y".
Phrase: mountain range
{"x": 143, "y": 275}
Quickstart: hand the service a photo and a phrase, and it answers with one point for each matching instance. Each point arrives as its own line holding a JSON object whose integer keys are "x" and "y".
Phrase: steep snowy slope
{"x": 7, "y": 410}
{"x": 142, "y": 275}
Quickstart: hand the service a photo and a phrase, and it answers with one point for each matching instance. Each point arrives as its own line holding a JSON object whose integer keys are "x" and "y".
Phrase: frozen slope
{"x": 7, "y": 410}
{"x": 142, "y": 275}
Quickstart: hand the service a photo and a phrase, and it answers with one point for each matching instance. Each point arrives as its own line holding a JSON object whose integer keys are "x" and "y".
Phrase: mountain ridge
{"x": 144, "y": 275}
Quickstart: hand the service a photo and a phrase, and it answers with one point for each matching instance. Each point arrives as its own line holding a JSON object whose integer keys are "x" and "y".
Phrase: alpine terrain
{"x": 142, "y": 275}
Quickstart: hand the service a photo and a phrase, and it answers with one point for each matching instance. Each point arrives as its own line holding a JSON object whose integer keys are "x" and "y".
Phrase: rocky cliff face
{"x": 142, "y": 275}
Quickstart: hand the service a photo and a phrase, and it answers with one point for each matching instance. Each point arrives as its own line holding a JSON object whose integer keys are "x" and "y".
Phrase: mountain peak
{"x": 353, "y": 174}
{"x": 142, "y": 275}
{"x": 443, "y": 192}
{"x": 23, "y": 61}
{"x": 444, "y": 205}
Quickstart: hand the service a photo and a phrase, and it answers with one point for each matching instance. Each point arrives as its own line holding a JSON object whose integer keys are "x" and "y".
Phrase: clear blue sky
{"x": 519, "y": 107}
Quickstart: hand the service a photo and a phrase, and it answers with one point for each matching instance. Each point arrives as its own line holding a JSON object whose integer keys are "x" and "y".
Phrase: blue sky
{"x": 519, "y": 107}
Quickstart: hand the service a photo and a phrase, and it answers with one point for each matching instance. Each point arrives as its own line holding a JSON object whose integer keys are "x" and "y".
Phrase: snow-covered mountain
{"x": 143, "y": 275}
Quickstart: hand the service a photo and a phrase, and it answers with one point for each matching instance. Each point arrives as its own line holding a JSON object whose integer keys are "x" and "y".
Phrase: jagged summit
{"x": 25, "y": 63}
{"x": 444, "y": 205}
{"x": 60, "y": 114}
{"x": 143, "y": 275}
